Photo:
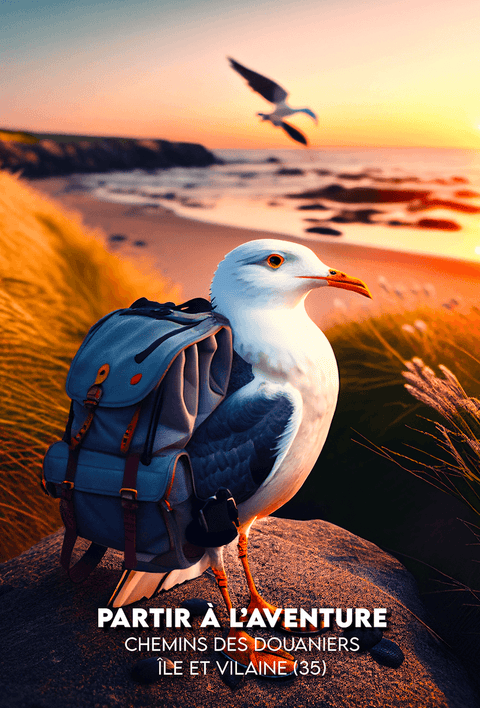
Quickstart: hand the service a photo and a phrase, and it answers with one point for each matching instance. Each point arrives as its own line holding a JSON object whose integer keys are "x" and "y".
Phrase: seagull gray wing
{"x": 294, "y": 133}
{"x": 237, "y": 445}
{"x": 265, "y": 87}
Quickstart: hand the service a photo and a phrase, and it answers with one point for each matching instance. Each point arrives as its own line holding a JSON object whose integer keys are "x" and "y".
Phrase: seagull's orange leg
{"x": 256, "y": 600}
{"x": 240, "y": 646}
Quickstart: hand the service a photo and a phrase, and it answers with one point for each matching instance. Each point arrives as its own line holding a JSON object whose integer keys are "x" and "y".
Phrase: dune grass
{"x": 382, "y": 365}
{"x": 56, "y": 280}
{"x": 434, "y": 433}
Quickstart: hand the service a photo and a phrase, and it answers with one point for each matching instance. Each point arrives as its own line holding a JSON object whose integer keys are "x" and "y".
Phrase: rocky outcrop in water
{"x": 52, "y": 157}
{"x": 357, "y": 195}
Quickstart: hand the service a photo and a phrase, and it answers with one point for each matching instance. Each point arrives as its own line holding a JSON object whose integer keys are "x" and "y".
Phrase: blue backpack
{"x": 143, "y": 380}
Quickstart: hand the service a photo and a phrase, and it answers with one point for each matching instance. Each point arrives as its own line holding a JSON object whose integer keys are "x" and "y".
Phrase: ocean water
{"x": 250, "y": 190}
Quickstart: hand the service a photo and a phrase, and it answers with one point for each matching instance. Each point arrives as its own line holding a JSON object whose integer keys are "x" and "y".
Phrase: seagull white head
{"x": 273, "y": 274}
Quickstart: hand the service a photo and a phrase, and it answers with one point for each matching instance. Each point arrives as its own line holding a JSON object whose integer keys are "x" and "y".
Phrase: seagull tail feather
{"x": 135, "y": 585}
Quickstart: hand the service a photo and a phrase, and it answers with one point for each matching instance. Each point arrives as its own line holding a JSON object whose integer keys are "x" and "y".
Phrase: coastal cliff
{"x": 51, "y": 156}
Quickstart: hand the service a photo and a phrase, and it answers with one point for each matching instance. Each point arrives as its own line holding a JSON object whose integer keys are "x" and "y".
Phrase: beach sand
{"x": 187, "y": 252}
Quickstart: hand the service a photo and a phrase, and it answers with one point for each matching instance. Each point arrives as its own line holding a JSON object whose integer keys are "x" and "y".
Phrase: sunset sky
{"x": 391, "y": 72}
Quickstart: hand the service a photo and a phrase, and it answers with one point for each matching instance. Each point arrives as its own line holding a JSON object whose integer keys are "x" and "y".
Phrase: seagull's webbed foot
{"x": 268, "y": 663}
{"x": 241, "y": 647}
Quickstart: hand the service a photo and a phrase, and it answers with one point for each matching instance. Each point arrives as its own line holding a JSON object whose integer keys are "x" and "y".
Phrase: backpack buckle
{"x": 66, "y": 489}
{"x": 129, "y": 498}
{"x": 94, "y": 395}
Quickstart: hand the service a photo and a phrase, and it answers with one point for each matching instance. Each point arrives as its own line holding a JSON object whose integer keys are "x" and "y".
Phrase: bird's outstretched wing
{"x": 236, "y": 447}
{"x": 265, "y": 87}
{"x": 294, "y": 133}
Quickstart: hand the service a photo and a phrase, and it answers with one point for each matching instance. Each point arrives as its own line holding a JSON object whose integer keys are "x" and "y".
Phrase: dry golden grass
{"x": 455, "y": 464}
{"x": 56, "y": 280}
{"x": 373, "y": 355}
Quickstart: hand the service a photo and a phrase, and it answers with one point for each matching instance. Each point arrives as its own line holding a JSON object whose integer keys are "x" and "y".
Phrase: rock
{"x": 192, "y": 203}
{"x": 53, "y": 653}
{"x": 311, "y": 207}
{"x": 151, "y": 670}
{"x": 357, "y": 195}
{"x": 196, "y": 606}
{"x": 324, "y": 230}
{"x": 395, "y": 180}
{"x": 367, "y": 637}
{"x": 467, "y": 193}
{"x": 421, "y": 204}
{"x": 273, "y": 161}
{"x": 232, "y": 680}
{"x": 352, "y": 216}
{"x": 117, "y": 238}
{"x": 352, "y": 175}
{"x": 387, "y": 653}
{"x": 56, "y": 156}
{"x": 289, "y": 171}
{"x": 443, "y": 224}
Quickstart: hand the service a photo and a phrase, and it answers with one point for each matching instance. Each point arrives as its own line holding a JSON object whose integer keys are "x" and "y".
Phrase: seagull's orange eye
{"x": 275, "y": 261}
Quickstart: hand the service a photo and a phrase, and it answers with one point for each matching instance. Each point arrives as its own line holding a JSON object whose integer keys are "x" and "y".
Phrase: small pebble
{"x": 148, "y": 670}
{"x": 387, "y": 653}
{"x": 233, "y": 681}
{"x": 367, "y": 637}
{"x": 196, "y": 606}
{"x": 117, "y": 237}
{"x": 140, "y": 243}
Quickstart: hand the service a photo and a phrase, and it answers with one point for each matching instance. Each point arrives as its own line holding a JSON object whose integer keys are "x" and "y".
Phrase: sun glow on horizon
{"x": 160, "y": 70}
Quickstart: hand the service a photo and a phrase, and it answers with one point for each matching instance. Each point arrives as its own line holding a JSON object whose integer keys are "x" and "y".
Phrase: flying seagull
{"x": 277, "y": 95}
{"x": 262, "y": 441}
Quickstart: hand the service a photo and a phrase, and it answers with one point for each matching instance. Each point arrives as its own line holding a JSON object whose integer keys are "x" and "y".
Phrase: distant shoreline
{"x": 44, "y": 155}
{"x": 187, "y": 251}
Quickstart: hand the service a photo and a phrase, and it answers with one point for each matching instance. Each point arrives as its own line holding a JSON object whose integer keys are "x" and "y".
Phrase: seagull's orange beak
{"x": 341, "y": 280}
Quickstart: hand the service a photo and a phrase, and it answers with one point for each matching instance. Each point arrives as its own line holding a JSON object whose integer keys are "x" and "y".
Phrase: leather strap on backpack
{"x": 128, "y": 493}
{"x": 94, "y": 554}
{"x": 92, "y": 557}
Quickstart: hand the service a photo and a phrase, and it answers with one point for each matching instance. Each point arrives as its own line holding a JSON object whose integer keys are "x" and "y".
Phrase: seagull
{"x": 264, "y": 438}
{"x": 274, "y": 93}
